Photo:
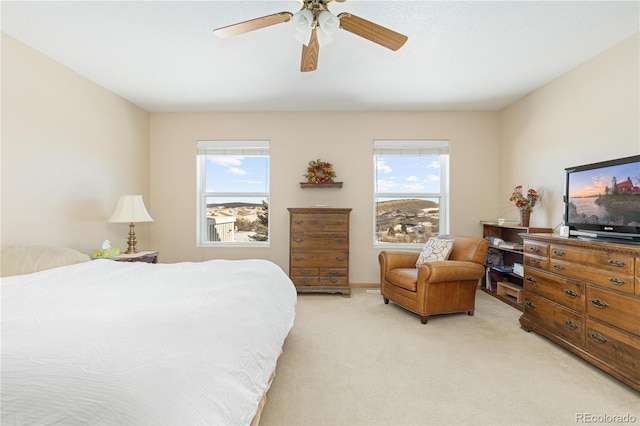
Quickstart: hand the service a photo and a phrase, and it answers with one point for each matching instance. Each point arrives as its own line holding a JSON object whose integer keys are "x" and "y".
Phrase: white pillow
{"x": 20, "y": 260}
{"x": 435, "y": 249}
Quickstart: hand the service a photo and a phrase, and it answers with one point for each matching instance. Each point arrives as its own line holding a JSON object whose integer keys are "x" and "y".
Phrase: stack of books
{"x": 505, "y": 221}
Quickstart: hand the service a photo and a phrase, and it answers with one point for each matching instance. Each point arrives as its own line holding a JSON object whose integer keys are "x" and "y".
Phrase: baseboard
{"x": 364, "y": 285}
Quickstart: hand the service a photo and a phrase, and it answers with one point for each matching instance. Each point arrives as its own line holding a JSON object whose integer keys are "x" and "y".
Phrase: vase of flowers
{"x": 525, "y": 201}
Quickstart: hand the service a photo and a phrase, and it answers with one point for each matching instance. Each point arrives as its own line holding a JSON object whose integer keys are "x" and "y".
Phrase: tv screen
{"x": 603, "y": 198}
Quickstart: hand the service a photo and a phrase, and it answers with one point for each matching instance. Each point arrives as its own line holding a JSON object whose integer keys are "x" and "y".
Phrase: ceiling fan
{"x": 315, "y": 26}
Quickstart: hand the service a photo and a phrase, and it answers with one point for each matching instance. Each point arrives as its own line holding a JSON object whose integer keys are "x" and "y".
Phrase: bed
{"x": 119, "y": 343}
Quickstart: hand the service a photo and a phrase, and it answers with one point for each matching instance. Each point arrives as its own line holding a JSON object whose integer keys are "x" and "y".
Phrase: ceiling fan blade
{"x": 310, "y": 52}
{"x": 371, "y": 31}
{"x": 253, "y": 24}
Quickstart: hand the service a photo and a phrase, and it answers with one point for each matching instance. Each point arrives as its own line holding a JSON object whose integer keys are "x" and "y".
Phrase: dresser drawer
{"x": 561, "y": 321}
{"x": 321, "y": 222}
{"x": 334, "y": 272}
{"x": 618, "y": 263}
{"x": 619, "y": 349}
{"x": 613, "y": 308}
{"x": 306, "y": 281}
{"x": 313, "y": 241}
{"x": 304, "y": 272}
{"x": 607, "y": 278}
{"x": 536, "y": 262}
{"x": 561, "y": 290}
{"x": 333, "y": 281}
{"x": 539, "y": 249}
{"x": 305, "y": 259}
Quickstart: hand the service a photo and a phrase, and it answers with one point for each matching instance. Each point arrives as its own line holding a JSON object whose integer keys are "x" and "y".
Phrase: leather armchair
{"x": 439, "y": 287}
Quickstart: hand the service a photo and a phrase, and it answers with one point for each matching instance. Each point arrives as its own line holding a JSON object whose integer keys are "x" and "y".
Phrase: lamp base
{"x": 132, "y": 239}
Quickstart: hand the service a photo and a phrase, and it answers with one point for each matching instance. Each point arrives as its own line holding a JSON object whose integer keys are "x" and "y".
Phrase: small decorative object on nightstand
{"x": 147, "y": 256}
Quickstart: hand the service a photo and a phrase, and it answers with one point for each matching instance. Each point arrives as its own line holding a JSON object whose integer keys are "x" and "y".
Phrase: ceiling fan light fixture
{"x": 302, "y": 23}
{"x": 328, "y": 25}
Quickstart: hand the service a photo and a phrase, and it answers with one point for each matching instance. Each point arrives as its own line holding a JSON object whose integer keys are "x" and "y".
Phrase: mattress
{"x": 118, "y": 343}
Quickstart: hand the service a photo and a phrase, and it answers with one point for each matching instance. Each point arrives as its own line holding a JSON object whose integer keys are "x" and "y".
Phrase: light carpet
{"x": 356, "y": 361}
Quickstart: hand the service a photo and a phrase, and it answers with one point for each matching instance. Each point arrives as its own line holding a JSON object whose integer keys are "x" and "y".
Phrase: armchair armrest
{"x": 450, "y": 270}
{"x": 397, "y": 259}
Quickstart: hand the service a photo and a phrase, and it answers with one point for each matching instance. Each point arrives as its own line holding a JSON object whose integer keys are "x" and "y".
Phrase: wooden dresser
{"x": 319, "y": 249}
{"x": 585, "y": 296}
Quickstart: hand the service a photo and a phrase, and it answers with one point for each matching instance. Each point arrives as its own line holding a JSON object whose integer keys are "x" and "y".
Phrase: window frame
{"x": 439, "y": 147}
{"x": 235, "y": 148}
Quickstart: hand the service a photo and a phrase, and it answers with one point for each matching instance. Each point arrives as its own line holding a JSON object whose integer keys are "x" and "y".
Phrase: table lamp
{"x": 130, "y": 209}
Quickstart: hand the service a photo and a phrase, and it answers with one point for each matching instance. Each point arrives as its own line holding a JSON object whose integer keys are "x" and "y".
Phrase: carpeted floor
{"x": 356, "y": 361}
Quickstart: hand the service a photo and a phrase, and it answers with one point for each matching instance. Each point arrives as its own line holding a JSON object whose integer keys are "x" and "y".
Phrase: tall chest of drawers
{"x": 319, "y": 249}
{"x": 585, "y": 296}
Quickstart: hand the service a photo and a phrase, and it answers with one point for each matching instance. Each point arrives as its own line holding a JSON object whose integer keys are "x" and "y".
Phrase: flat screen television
{"x": 602, "y": 200}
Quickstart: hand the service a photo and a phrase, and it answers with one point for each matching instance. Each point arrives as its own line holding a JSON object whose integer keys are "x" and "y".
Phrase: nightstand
{"x": 147, "y": 256}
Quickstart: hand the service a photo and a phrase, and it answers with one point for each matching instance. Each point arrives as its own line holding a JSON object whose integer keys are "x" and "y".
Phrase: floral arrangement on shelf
{"x": 525, "y": 200}
{"x": 319, "y": 171}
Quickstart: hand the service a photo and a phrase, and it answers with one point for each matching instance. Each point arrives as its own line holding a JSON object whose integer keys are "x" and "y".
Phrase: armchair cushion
{"x": 406, "y": 278}
{"x": 435, "y": 249}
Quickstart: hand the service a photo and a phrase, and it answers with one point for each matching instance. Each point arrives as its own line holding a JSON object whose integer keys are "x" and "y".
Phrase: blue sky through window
{"x": 237, "y": 173}
{"x": 408, "y": 173}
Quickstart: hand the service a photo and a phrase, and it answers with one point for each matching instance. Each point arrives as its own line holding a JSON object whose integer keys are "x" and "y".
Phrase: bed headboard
{"x": 18, "y": 260}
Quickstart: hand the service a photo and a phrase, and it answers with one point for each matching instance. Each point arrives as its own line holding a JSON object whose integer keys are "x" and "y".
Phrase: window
{"x": 233, "y": 193}
{"x": 410, "y": 191}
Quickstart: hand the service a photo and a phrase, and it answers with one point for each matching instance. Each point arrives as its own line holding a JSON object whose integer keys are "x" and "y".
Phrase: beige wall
{"x": 589, "y": 114}
{"x": 70, "y": 148}
{"x": 345, "y": 139}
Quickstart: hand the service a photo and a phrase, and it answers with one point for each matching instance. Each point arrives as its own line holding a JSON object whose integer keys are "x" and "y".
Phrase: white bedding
{"x": 118, "y": 343}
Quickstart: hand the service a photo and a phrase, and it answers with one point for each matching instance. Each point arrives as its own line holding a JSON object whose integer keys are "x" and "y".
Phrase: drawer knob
{"x": 616, "y": 262}
{"x": 339, "y": 258}
{"x": 616, "y": 281}
{"x": 339, "y": 240}
{"x": 530, "y": 279}
{"x": 598, "y": 303}
{"x": 558, "y": 252}
{"x": 597, "y": 337}
{"x": 530, "y": 304}
{"x": 298, "y": 239}
{"x": 535, "y": 249}
{"x": 558, "y": 267}
{"x": 304, "y": 280}
{"x": 304, "y": 272}
{"x": 572, "y": 325}
{"x": 298, "y": 258}
{"x": 298, "y": 222}
{"x": 340, "y": 222}
{"x": 572, "y": 294}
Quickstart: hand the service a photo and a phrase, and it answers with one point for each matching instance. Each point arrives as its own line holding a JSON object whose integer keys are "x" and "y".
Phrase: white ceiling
{"x": 461, "y": 55}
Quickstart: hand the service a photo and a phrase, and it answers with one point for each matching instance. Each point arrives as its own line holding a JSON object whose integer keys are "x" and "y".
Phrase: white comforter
{"x": 115, "y": 343}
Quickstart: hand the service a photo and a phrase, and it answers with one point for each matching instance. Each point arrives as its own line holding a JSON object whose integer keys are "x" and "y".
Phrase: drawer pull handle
{"x": 340, "y": 222}
{"x": 534, "y": 261}
{"x": 333, "y": 272}
{"x": 558, "y": 267}
{"x": 572, "y": 294}
{"x": 598, "y": 303}
{"x": 530, "y": 304}
{"x": 339, "y": 258}
{"x": 616, "y": 281}
{"x": 298, "y": 239}
{"x": 616, "y": 262}
{"x": 304, "y": 272}
{"x": 333, "y": 280}
{"x": 304, "y": 281}
{"x": 339, "y": 240}
{"x": 531, "y": 279}
{"x": 535, "y": 249}
{"x": 298, "y": 258}
{"x": 572, "y": 325}
{"x": 597, "y": 337}
{"x": 558, "y": 252}
{"x": 298, "y": 222}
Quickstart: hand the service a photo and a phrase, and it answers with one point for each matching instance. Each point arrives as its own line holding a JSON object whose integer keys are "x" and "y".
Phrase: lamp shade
{"x": 130, "y": 209}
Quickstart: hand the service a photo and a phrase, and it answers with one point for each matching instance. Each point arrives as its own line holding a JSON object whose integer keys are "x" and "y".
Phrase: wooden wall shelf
{"x": 321, "y": 185}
